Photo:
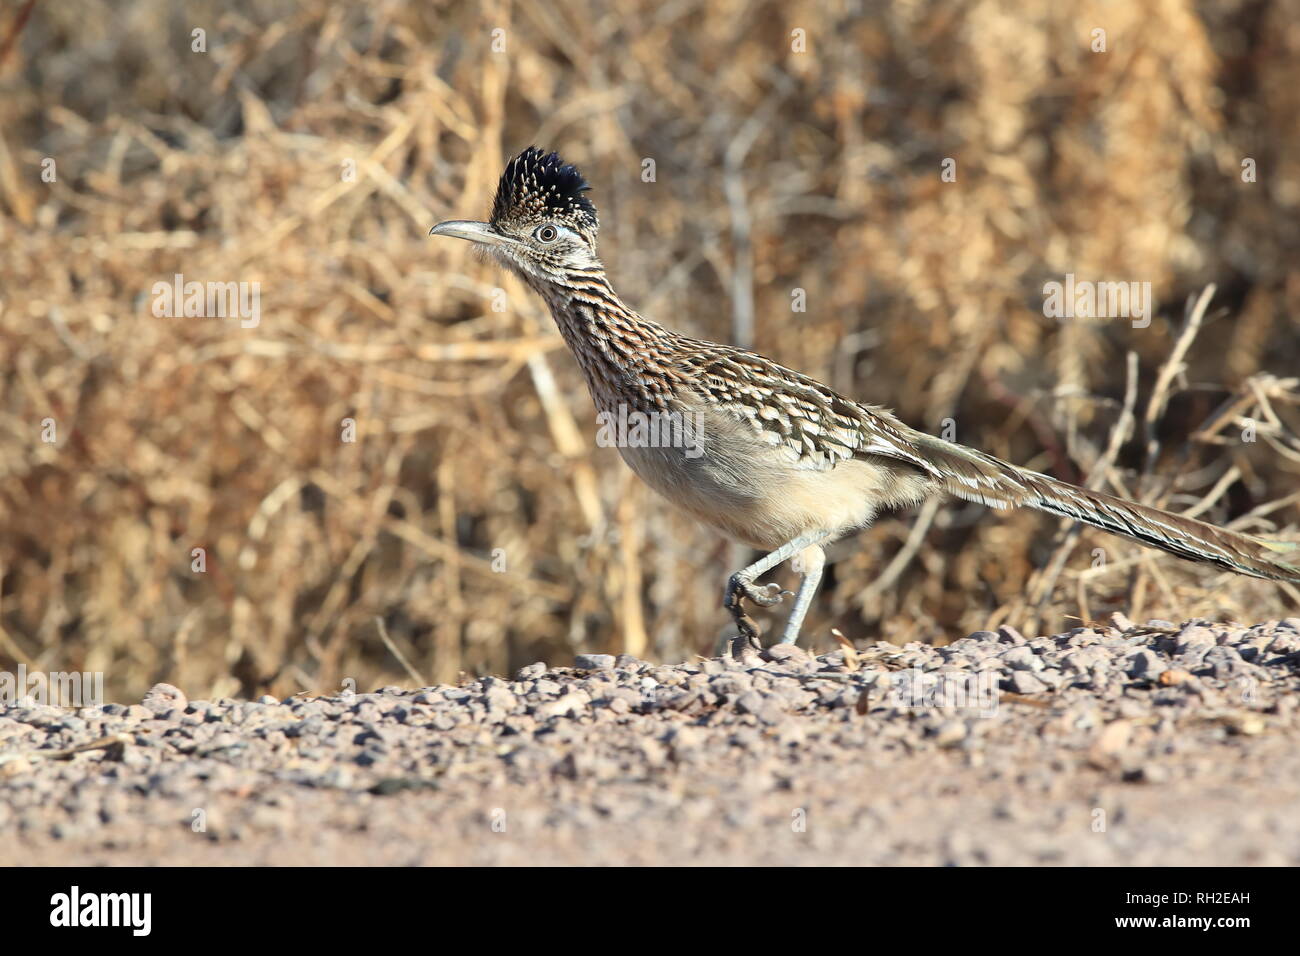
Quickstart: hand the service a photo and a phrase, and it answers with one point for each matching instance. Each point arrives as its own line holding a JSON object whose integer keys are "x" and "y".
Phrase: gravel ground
{"x": 1136, "y": 744}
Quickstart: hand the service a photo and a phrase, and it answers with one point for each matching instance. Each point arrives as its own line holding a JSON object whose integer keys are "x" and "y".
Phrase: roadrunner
{"x": 768, "y": 456}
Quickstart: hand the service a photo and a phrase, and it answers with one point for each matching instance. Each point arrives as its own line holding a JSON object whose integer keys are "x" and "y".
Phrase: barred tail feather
{"x": 1185, "y": 537}
{"x": 975, "y": 476}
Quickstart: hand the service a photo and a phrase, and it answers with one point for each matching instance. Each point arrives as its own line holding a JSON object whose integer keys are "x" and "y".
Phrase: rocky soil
{"x": 1132, "y": 744}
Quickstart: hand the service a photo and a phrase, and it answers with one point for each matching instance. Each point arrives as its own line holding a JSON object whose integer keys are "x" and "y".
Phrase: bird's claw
{"x": 764, "y": 595}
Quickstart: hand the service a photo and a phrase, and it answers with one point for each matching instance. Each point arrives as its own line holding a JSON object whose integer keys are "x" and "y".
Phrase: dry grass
{"x": 775, "y": 171}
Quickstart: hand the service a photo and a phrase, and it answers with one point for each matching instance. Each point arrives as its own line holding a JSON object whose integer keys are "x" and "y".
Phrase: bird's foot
{"x": 745, "y": 645}
{"x": 764, "y": 595}
{"x": 738, "y": 591}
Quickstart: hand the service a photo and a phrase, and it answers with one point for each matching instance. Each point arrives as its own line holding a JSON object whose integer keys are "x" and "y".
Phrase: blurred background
{"x": 309, "y": 147}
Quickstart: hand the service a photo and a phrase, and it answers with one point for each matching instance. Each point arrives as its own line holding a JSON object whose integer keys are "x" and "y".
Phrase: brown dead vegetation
{"x": 775, "y": 171}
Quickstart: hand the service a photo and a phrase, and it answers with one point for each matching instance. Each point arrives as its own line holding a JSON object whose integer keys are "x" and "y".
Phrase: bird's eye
{"x": 547, "y": 233}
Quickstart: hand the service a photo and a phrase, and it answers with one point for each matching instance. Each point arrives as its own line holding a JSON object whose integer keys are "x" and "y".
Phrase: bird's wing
{"x": 815, "y": 425}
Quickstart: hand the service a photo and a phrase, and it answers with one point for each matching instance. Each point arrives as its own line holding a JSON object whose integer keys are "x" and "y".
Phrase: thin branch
{"x": 1195, "y": 315}
{"x": 401, "y": 658}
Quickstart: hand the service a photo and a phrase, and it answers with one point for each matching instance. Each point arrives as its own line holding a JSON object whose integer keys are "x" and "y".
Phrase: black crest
{"x": 540, "y": 185}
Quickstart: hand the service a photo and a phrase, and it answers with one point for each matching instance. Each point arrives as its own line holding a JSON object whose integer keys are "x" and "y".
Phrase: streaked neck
{"x": 624, "y": 357}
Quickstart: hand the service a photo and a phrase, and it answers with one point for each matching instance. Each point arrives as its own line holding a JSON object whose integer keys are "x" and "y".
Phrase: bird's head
{"x": 542, "y": 225}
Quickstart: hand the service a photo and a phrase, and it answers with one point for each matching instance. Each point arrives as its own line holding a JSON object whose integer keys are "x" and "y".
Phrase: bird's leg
{"x": 741, "y": 585}
{"x": 811, "y": 561}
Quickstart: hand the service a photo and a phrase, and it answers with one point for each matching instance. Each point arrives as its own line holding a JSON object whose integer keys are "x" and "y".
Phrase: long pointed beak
{"x": 468, "y": 229}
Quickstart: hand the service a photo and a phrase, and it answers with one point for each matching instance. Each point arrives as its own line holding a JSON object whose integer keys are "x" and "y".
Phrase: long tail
{"x": 975, "y": 476}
